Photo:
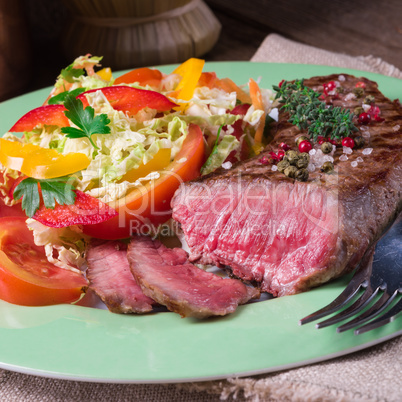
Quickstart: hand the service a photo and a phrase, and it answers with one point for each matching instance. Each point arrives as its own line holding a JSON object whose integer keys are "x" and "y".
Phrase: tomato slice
{"x": 144, "y": 208}
{"x": 50, "y": 115}
{"x": 132, "y": 100}
{"x": 86, "y": 210}
{"x": 143, "y": 76}
{"x": 26, "y": 276}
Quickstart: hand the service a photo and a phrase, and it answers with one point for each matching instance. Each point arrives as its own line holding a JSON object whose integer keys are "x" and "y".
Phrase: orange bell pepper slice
{"x": 257, "y": 102}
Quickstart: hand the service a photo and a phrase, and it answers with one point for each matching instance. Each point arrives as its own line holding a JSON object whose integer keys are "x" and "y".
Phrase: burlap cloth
{"x": 374, "y": 374}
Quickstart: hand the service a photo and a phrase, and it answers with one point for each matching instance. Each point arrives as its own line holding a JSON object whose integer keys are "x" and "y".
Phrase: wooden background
{"x": 30, "y": 32}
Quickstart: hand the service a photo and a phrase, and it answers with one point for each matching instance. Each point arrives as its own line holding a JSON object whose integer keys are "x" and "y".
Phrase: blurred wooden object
{"x": 132, "y": 33}
{"x": 14, "y": 49}
{"x": 357, "y": 28}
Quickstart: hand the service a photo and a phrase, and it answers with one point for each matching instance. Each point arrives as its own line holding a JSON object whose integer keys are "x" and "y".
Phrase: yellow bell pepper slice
{"x": 160, "y": 160}
{"x": 40, "y": 163}
{"x": 105, "y": 74}
{"x": 190, "y": 72}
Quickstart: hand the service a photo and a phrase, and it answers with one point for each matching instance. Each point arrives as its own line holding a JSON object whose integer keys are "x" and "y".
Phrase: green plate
{"x": 87, "y": 344}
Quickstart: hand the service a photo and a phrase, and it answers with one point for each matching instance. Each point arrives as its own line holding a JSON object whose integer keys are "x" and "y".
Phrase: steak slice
{"x": 287, "y": 235}
{"x": 166, "y": 275}
{"x": 110, "y": 278}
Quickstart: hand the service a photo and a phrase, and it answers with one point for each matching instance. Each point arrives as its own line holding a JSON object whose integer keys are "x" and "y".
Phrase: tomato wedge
{"x": 26, "y": 276}
{"x": 131, "y": 100}
{"x": 86, "y": 210}
{"x": 51, "y": 115}
{"x": 143, "y": 76}
{"x": 144, "y": 208}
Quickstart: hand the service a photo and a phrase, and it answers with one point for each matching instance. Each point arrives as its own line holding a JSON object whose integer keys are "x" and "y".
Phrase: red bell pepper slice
{"x": 86, "y": 210}
{"x": 51, "y": 115}
{"x": 132, "y": 100}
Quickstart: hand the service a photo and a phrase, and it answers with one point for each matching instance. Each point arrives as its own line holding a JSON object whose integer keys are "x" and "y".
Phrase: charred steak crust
{"x": 340, "y": 214}
{"x": 110, "y": 278}
{"x": 168, "y": 277}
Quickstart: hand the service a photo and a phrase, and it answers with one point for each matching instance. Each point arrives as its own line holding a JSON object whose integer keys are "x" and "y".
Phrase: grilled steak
{"x": 110, "y": 278}
{"x": 167, "y": 276}
{"x": 288, "y": 236}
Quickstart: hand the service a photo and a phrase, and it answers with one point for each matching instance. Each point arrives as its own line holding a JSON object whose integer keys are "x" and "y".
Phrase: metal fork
{"x": 379, "y": 274}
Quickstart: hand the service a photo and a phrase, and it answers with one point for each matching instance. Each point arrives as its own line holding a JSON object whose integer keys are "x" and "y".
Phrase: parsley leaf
{"x": 53, "y": 190}
{"x": 28, "y": 190}
{"x": 61, "y": 97}
{"x": 69, "y": 73}
{"x": 85, "y": 119}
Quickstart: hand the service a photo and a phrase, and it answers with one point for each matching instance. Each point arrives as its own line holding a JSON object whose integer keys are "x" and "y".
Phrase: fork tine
{"x": 348, "y": 293}
{"x": 380, "y": 305}
{"x": 382, "y": 320}
{"x": 358, "y": 280}
{"x": 353, "y": 309}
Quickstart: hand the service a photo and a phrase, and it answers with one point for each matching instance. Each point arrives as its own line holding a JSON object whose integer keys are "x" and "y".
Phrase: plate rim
{"x": 47, "y": 374}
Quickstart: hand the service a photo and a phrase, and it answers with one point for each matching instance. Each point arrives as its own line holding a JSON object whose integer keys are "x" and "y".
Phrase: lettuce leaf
{"x": 219, "y": 153}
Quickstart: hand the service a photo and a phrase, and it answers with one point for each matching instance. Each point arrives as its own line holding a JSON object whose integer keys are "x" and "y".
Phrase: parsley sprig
{"x": 309, "y": 113}
{"x": 61, "y": 97}
{"x": 70, "y": 73}
{"x": 58, "y": 190}
{"x": 85, "y": 119}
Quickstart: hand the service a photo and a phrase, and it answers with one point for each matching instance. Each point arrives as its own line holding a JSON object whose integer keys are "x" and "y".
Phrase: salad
{"x": 102, "y": 158}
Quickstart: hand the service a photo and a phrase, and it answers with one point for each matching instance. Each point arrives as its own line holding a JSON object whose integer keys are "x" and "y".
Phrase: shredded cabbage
{"x": 64, "y": 247}
{"x": 132, "y": 141}
{"x": 222, "y": 150}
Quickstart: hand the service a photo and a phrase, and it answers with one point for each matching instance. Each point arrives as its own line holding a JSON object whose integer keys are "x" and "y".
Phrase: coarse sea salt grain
{"x": 311, "y": 167}
{"x": 347, "y": 150}
{"x": 341, "y": 78}
{"x": 328, "y": 158}
{"x": 274, "y": 168}
{"x": 353, "y": 164}
{"x": 366, "y": 107}
{"x": 359, "y": 159}
{"x": 349, "y": 96}
{"x": 396, "y": 128}
{"x": 367, "y": 151}
{"x": 274, "y": 113}
{"x": 343, "y": 157}
{"x": 227, "y": 165}
{"x": 312, "y": 152}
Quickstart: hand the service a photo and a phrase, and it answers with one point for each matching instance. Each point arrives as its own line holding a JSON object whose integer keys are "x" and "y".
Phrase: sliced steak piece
{"x": 110, "y": 278}
{"x": 288, "y": 235}
{"x": 166, "y": 275}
